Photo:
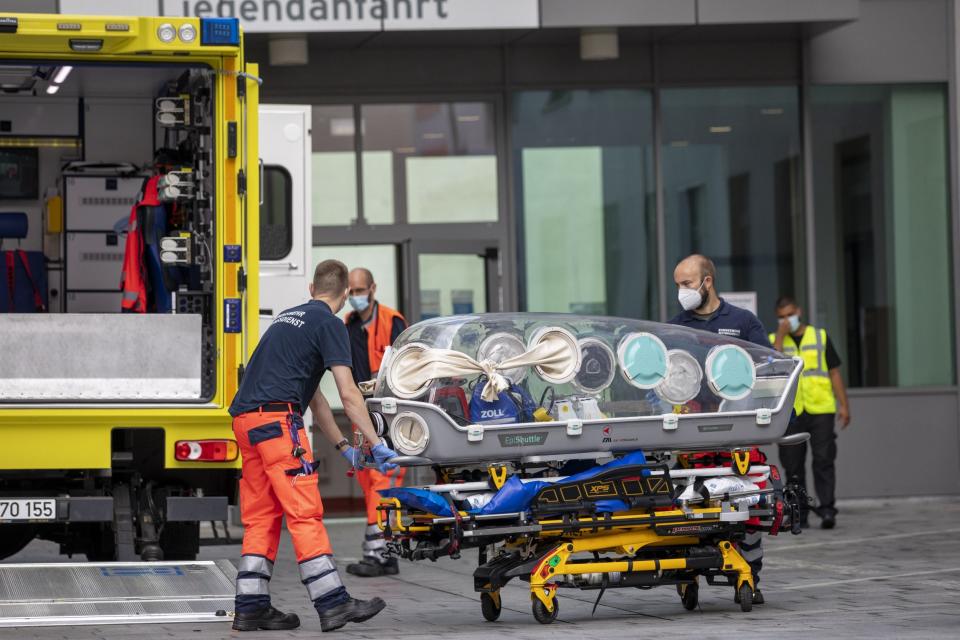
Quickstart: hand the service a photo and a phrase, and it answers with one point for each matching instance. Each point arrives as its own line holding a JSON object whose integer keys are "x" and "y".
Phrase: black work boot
{"x": 352, "y": 610}
{"x": 267, "y": 619}
{"x": 371, "y": 568}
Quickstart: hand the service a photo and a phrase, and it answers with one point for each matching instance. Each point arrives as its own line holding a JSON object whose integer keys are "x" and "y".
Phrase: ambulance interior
{"x": 80, "y": 146}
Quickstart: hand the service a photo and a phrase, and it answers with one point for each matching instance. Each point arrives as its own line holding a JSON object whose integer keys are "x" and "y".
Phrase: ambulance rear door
{"x": 285, "y": 219}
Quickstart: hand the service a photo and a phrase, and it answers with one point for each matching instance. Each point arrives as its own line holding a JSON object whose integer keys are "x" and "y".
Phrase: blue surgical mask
{"x": 794, "y": 321}
{"x": 359, "y": 303}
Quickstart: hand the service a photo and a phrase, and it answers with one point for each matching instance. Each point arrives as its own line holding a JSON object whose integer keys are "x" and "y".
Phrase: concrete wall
{"x": 891, "y": 41}
{"x": 899, "y": 443}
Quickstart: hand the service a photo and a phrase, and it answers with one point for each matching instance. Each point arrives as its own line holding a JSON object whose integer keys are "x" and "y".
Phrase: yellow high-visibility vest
{"x": 815, "y": 391}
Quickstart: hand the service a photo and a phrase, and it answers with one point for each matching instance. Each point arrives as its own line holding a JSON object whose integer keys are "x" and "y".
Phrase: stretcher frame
{"x": 658, "y": 542}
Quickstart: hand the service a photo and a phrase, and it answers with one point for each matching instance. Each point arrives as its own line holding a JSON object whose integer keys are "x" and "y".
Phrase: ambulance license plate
{"x": 16, "y": 509}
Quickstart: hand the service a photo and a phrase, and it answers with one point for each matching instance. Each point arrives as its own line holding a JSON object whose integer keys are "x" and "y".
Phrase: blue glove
{"x": 353, "y": 457}
{"x": 381, "y": 454}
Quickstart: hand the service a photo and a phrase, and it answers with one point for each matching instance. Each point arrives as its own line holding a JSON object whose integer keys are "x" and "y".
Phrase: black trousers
{"x": 823, "y": 442}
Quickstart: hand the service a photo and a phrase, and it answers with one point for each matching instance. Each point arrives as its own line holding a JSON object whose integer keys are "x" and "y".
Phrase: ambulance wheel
{"x": 746, "y": 598}
{"x": 689, "y": 595}
{"x": 490, "y": 606}
{"x": 541, "y": 614}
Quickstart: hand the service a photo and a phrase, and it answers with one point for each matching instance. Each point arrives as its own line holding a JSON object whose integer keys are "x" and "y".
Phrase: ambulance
{"x": 130, "y": 195}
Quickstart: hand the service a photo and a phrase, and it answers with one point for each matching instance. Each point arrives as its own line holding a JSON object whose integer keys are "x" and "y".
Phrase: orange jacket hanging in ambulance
{"x": 133, "y": 282}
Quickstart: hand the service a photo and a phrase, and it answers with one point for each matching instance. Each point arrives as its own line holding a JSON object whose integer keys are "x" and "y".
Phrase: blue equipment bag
{"x": 511, "y": 406}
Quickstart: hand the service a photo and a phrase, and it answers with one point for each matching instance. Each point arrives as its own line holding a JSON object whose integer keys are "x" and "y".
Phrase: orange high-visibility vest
{"x": 133, "y": 281}
{"x": 378, "y": 334}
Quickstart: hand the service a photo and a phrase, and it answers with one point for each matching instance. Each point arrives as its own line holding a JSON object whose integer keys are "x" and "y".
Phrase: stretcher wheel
{"x": 490, "y": 607}
{"x": 541, "y": 614}
{"x": 689, "y": 595}
{"x": 745, "y": 596}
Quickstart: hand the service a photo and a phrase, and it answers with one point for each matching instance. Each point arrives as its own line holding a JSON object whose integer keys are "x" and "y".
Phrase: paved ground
{"x": 891, "y": 569}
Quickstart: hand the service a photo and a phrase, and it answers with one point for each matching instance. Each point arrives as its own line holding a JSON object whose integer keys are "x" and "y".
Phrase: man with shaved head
{"x": 704, "y": 309}
{"x": 373, "y": 327}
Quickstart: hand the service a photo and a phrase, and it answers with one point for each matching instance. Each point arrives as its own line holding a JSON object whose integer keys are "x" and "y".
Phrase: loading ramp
{"x": 92, "y": 593}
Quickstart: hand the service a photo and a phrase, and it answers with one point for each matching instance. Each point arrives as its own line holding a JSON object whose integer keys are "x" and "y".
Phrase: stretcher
{"x": 571, "y": 534}
{"x": 570, "y": 451}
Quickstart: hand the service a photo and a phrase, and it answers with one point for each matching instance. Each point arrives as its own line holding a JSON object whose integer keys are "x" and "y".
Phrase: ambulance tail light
{"x": 206, "y": 450}
{"x": 220, "y": 32}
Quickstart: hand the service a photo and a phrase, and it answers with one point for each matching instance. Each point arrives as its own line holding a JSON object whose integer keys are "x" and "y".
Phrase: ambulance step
{"x": 82, "y": 593}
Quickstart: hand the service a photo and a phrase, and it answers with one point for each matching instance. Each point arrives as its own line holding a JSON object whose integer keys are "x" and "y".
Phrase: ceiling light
{"x": 341, "y": 127}
{"x": 721, "y": 129}
{"x": 287, "y": 50}
{"x": 433, "y": 136}
{"x": 53, "y": 88}
{"x": 62, "y": 74}
{"x": 599, "y": 44}
{"x": 405, "y": 150}
{"x": 680, "y": 143}
{"x": 468, "y": 118}
{"x": 772, "y": 111}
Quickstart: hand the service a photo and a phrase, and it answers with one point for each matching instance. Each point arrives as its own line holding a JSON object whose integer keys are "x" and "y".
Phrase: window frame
{"x": 288, "y": 211}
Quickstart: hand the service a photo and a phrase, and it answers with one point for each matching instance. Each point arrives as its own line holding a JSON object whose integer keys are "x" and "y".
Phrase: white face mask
{"x": 690, "y": 299}
{"x": 794, "y": 321}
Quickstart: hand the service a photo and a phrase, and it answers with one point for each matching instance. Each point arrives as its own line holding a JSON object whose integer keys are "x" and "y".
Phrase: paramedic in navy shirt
{"x": 703, "y": 309}
{"x": 278, "y": 479}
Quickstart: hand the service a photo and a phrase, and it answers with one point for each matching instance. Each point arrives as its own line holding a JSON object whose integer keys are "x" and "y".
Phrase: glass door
{"x": 454, "y": 278}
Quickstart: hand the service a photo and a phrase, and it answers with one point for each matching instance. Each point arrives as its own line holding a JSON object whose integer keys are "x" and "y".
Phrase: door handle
{"x": 260, "y": 162}
{"x": 292, "y": 266}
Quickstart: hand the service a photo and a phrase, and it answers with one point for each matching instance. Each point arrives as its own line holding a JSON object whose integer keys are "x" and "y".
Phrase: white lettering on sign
{"x": 331, "y": 15}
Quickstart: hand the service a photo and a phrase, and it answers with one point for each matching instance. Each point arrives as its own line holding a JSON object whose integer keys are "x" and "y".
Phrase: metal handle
{"x": 260, "y": 162}
{"x": 403, "y": 461}
{"x": 796, "y": 438}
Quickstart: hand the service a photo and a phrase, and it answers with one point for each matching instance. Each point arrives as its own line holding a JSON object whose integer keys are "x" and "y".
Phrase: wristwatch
{"x": 342, "y": 444}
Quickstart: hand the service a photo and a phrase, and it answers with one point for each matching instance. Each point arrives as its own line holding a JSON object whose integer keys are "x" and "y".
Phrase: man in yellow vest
{"x": 821, "y": 402}
{"x": 372, "y": 327}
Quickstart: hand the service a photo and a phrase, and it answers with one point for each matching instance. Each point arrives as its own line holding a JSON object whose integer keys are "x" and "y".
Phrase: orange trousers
{"x": 372, "y": 481}
{"x": 267, "y": 493}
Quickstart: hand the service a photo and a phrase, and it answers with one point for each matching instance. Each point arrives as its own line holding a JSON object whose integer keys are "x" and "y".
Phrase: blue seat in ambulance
{"x": 23, "y": 274}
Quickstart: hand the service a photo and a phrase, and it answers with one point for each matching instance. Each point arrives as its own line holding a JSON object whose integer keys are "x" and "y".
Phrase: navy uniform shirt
{"x": 298, "y": 347}
{"x": 727, "y": 320}
{"x": 358, "y": 342}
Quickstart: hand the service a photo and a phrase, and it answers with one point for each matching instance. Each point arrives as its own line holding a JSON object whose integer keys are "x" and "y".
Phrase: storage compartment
{"x": 93, "y": 196}
{"x": 94, "y": 261}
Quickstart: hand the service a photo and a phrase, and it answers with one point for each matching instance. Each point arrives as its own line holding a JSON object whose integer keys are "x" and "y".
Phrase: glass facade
{"x": 882, "y": 231}
{"x": 732, "y": 187}
{"x": 429, "y": 163}
{"x": 419, "y": 163}
{"x": 583, "y": 163}
{"x": 730, "y": 161}
{"x": 333, "y": 166}
{"x": 589, "y": 168}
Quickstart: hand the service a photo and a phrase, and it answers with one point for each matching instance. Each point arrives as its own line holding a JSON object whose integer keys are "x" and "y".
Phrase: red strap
{"x": 10, "y": 277}
{"x": 37, "y": 298}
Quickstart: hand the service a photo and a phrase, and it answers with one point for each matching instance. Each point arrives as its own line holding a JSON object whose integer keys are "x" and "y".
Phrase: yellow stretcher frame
{"x": 78, "y": 437}
{"x": 615, "y": 534}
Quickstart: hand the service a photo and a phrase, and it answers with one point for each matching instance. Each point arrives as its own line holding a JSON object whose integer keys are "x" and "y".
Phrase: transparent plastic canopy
{"x": 557, "y": 366}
